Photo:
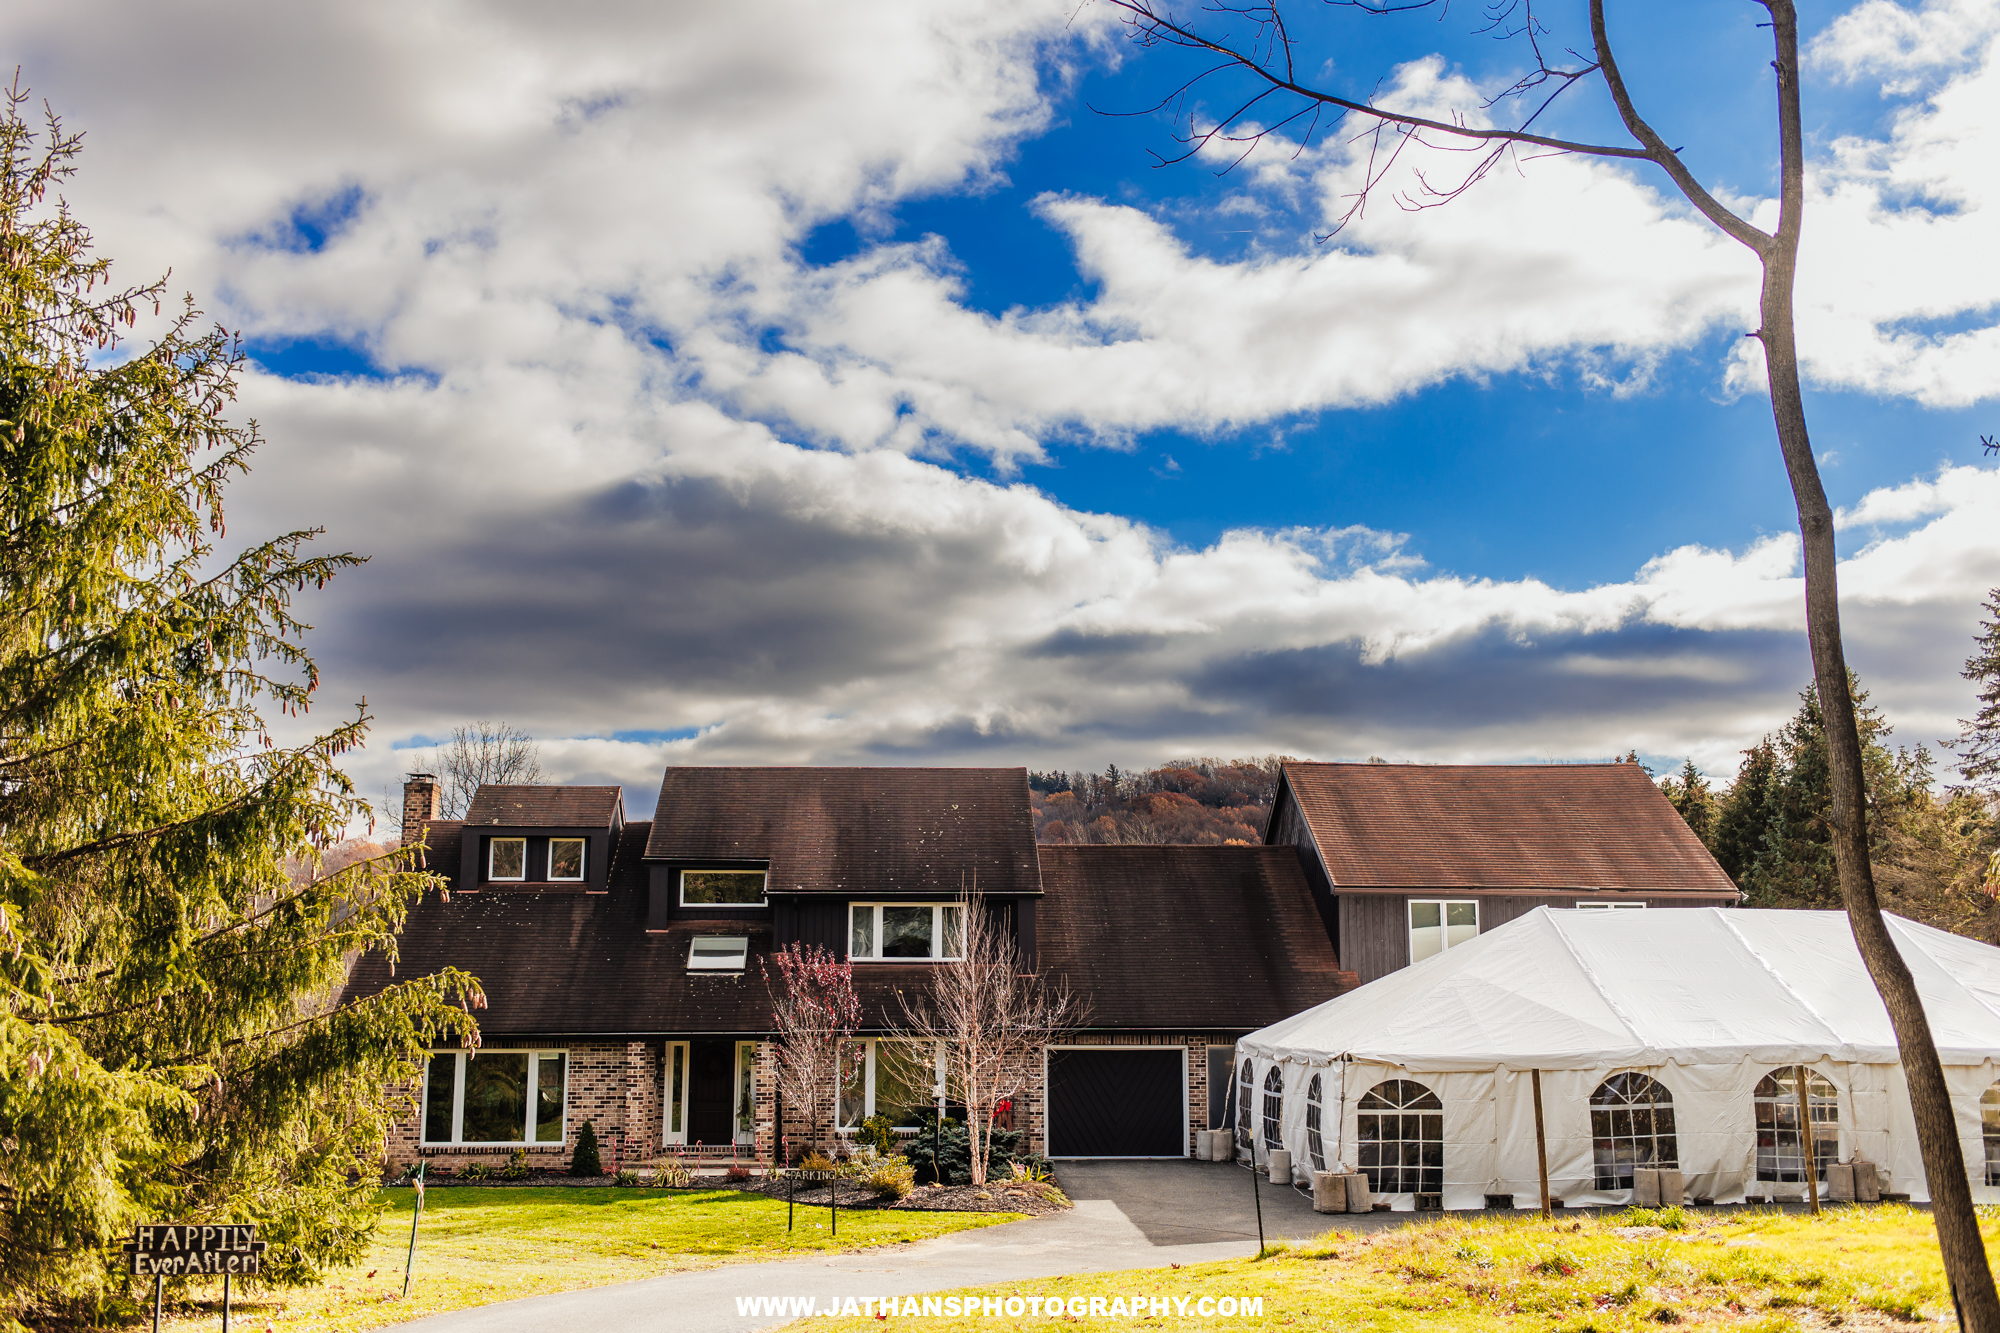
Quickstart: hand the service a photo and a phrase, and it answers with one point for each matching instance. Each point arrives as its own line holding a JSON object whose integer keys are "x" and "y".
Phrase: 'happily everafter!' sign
{"x": 171, "y": 1249}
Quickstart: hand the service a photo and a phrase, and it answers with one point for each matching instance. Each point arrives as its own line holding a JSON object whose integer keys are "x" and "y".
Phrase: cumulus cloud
{"x": 637, "y": 476}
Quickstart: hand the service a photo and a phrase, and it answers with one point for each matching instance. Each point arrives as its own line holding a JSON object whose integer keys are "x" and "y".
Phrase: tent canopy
{"x": 1590, "y": 990}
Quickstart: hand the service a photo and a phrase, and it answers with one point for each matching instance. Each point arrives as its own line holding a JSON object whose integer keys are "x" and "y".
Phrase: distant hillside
{"x": 1185, "y": 801}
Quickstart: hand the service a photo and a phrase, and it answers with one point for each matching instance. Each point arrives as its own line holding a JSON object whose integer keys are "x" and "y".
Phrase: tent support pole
{"x": 1541, "y": 1146}
{"x": 1806, "y": 1140}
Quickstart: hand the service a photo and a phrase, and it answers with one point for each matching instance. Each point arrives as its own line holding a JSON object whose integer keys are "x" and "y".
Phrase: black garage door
{"x": 1124, "y": 1103}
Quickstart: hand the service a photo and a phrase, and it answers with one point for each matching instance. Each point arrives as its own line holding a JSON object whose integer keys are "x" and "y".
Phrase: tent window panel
{"x": 1400, "y": 1140}
{"x": 1989, "y": 1124}
{"x": 1315, "y": 1146}
{"x": 1274, "y": 1107}
{"x": 1631, "y": 1125}
{"x": 1776, "y": 1101}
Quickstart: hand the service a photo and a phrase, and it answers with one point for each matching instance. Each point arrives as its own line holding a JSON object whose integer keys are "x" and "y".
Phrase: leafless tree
{"x": 481, "y": 753}
{"x": 983, "y": 1022}
{"x": 1248, "y": 45}
{"x": 814, "y": 1013}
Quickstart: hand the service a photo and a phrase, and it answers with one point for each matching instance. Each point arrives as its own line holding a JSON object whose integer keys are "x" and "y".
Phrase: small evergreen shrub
{"x": 942, "y": 1153}
{"x": 892, "y": 1178}
{"x": 880, "y": 1132}
{"x": 584, "y": 1161}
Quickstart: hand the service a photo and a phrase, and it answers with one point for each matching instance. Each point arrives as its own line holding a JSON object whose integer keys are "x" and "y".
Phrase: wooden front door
{"x": 711, "y": 1071}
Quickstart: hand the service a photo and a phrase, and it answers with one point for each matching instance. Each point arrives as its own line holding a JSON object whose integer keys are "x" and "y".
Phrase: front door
{"x": 711, "y": 1067}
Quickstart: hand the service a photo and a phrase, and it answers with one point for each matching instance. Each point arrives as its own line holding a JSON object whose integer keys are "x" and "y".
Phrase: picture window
{"x": 890, "y": 1079}
{"x": 495, "y": 1097}
{"x": 904, "y": 932}
{"x": 507, "y": 858}
{"x": 722, "y": 888}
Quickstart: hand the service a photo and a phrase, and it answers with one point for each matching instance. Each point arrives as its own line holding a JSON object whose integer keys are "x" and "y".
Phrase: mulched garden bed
{"x": 1006, "y": 1196}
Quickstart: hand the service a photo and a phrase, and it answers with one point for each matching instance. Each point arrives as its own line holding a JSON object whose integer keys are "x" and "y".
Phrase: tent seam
{"x": 1915, "y": 941}
{"x": 1631, "y": 1028}
{"x": 1840, "y": 1042}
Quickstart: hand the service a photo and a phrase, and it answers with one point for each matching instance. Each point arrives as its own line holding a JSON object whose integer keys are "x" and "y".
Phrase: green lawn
{"x": 1853, "y": 1268}
{"x": 482, "y": 1245}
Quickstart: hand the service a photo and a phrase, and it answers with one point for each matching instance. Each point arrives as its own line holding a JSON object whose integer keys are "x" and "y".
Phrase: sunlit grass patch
{"x": 477, "y": 1246}
{"x": 1869, "y": 1268}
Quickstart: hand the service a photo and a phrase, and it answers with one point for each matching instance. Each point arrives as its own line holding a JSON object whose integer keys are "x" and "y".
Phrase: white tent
{"x": 1704, "y": 1002}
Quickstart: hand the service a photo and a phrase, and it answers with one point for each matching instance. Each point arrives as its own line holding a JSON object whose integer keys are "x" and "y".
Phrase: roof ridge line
{"x": 1779, "y": 977}
{"x": 1932, "y": 960}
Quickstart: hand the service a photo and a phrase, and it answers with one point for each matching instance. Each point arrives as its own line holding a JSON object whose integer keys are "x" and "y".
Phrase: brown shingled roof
{"x": 855, "y": 830}
{"x": 1519, "y": 826}
{"x": 546, "y": 806}
{"x": 1188, "y": 938}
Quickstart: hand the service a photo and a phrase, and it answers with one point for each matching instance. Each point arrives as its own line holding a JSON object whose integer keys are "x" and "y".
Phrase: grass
{"x": 1852, "y": 1268}
{"x": 477, "y": 1246}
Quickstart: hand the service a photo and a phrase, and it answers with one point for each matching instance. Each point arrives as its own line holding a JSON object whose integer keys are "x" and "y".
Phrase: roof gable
{"x": 934, "y": 831}
{"x": 1503, "y": 826}
{"x": 546, "y": 806}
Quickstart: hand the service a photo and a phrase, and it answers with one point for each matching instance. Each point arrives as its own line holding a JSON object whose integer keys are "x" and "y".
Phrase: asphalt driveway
{"x": 1127, "y": 1215}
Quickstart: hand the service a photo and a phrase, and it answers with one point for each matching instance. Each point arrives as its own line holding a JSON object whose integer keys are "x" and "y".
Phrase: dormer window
{"x": 912, "y": 932}
{"x": 722, "y": 888}
{"x": 566, "y": 858}
{"x": 718, "y": 953}
{"x": 507, "y": 858}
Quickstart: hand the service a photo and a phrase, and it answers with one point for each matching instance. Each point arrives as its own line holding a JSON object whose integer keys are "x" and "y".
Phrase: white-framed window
{"x": 566, "y": 858}
{"x": 495, "y": 1097}
{"x": 507, "y": 858}
{"x": 904, "y": 932}
{"x": 890, "y": 1079}
{"x": 745, "y": 1107}
{"x": 718, "y": 953}
{"x": 673, "y": 1120}
{"x": 722, "y": 888}
{"x": 1436, "y": 924}
{"x": 1611, "y": 907}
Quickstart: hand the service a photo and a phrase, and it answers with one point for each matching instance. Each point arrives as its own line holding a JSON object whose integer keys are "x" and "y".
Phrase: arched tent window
{"x": 1315, "y": 1147}
{"x": 1989, "y": 1124}
{"x": 1632, "y": 1123}
{"x": 1274, "y": 1107}
{"x": 1245, "y": 1086}
{"x": 1777, "y": 1103}
{"x": 1399, "y": 1135}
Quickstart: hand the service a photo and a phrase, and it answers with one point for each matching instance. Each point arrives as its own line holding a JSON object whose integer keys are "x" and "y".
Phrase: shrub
{"x": 880, "y": 1131}
{"x": 475, "y": 1171}
{"x": 627, "y": 1177}
{"x": 584, "y": 1161}
{"x": 737, "y": 1174}
{"x": 517, "y": 1166}
{"x": 892, "y": 1178}
{"x": 671, "y": 1173}
{"x": 952, "y": 1146}
{"x": 813, "y": 1161}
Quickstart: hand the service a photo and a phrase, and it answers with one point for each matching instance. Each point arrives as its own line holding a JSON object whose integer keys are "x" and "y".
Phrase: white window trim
{"x": 672, "y": 1097}
{"x": 534, "y": 1055}
{"x": 875, "y": 936}
{"x": 744, "y": 1064}
{"x": 583, "y": 860}
{"x": 491, "y": 844}
{"x": 1444, "y": 923}
{"x": 868, "y": 1090}
{"x": 742, "y": 958}
{"x": 763, "y": 885}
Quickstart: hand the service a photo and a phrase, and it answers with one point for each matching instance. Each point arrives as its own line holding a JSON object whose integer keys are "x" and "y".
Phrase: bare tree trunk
{"x": 1964, "y": 1251}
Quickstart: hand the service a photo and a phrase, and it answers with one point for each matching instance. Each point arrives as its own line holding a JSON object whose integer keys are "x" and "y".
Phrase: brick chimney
{"x": 420, "y": 803}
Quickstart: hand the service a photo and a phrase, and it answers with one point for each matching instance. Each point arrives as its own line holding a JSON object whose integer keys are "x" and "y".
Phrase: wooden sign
{"x": 171, "y": 1249}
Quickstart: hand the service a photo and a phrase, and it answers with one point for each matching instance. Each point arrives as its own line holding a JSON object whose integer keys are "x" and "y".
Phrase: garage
{"x": 1117, "y": 1102}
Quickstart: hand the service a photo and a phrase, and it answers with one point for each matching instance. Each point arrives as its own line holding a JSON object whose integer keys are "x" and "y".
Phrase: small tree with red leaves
{"x": 814, "y": 1013}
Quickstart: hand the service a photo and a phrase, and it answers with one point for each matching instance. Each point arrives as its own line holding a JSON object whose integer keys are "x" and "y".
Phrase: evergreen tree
{"x": 1745, "y": 811}
{"x": 1690, "y": 794}
{"x": 168, "y": 1045}
{"x": 584, "y": 1161}
{"x": 1978, "y": 743}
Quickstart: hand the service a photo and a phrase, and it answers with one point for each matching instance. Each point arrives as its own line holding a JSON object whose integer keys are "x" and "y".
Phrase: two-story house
{"x": 623, "y": 962}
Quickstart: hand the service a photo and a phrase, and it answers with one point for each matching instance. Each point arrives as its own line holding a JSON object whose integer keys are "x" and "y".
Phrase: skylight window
{"x": 718, "y": 953}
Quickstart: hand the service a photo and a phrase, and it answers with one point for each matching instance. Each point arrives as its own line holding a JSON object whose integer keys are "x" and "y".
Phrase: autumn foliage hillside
{"x": 1212, "y": 801}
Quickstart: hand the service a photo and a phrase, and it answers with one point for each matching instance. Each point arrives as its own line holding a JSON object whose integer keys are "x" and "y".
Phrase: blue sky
{"x": 866, "y": 393}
